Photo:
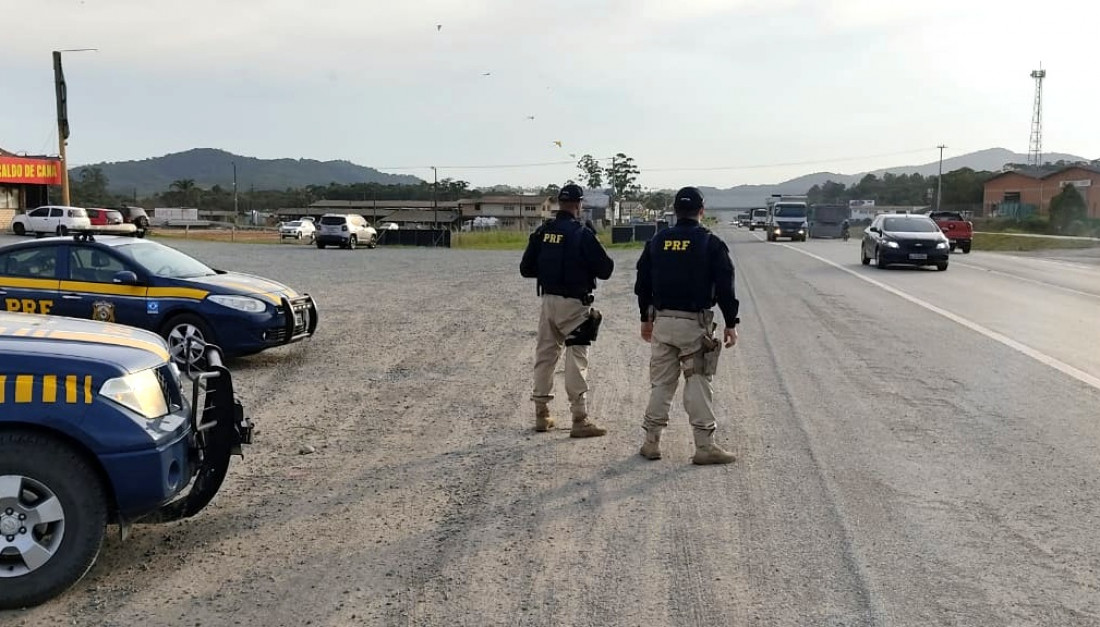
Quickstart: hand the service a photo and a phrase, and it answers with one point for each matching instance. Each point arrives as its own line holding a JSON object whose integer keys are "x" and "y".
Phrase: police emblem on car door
{"x": 103, "y": 311}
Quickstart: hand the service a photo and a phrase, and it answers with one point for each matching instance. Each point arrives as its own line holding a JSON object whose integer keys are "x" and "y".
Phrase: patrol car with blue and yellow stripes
{"x": 148, "y": 285}
{"x": 97, "y": 427}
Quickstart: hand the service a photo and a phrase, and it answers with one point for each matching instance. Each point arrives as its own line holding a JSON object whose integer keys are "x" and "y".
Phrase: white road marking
{"x": 1026, "y": 280}
{"x": 1037, "y": 355}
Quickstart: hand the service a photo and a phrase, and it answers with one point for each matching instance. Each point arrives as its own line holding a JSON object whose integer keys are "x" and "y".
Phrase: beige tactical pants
{"x": 559, "y": 317}
{"x": 675, "y": 341}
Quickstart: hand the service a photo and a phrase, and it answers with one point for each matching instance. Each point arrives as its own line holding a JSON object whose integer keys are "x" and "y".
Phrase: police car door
{"x": 29, "y": 279}
{"x": 94, "y": 285}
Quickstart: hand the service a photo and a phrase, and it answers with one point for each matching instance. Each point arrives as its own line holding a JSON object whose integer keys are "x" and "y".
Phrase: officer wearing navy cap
{"x": 683, "y": 273}
{"x": 566, "y": 258}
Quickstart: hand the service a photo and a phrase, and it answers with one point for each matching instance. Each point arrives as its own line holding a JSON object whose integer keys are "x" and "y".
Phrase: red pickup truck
{"x": 958, "y": 231}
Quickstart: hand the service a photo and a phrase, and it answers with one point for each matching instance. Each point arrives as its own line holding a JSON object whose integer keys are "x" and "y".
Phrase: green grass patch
{"x": 1015, "y": 243}
{"x": 490, "y": 240}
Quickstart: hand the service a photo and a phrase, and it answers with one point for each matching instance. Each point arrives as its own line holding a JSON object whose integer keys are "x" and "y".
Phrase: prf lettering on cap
{"x": 677, "y": 244}
{"x": 28, "y": 305}
{"x": 552, "y": 238}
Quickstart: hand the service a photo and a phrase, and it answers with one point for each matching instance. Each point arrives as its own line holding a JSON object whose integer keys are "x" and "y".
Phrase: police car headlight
{"x": 941, "y": 245}
{"x": 140, "y": 391}
{"x": 240, "y": 303}
{"x": 891, "y": 244}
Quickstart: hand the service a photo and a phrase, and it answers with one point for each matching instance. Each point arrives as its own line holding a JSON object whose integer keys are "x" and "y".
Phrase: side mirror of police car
{"x": 125, "y": 277}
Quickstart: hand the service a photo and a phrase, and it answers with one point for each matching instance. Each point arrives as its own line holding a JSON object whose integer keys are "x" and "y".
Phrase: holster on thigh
{"x": 586, "y": 333}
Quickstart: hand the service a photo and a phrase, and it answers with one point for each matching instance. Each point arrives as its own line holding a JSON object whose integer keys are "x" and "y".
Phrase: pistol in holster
{"x": 705, "y": 360}
{"x": 586, "y": 333}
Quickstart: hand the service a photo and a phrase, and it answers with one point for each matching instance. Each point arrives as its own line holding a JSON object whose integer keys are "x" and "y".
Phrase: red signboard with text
{"x": 30, "y": 171}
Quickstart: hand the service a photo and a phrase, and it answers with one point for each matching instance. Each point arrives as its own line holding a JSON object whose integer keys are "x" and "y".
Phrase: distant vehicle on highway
{"x": 828, "y": 220}
{"x": 346, "y": 230}
{"x": 743, "y": 219}
{"x": 389, "y": 226}
{"x": 959, "y": 231}
{"x": 787, "y": 219}
{"x": 54, "y": 219}
{"x": 904, "y": 239}
{"x": 759, "y": 219}
{"x": 298, "y": 229}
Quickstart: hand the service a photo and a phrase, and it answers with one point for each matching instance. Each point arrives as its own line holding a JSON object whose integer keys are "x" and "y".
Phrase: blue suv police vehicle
{"x": 151, "y": 286}
{"x": 97, "y": 427}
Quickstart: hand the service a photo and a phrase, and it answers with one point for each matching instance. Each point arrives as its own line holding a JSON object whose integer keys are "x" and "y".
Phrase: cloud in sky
{"x": 695, "y": 84}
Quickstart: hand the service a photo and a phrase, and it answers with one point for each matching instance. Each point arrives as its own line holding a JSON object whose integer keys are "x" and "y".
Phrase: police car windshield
{"x": 790, "y": 212}
{"x": 164, "y": 262}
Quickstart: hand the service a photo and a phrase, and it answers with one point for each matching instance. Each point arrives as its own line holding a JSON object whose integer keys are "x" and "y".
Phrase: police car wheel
{"x": 19, "y": 229}
{"x": 179, "y": 331}
{"x": 320, "y": 246}
{"x": 53, "y": 515}
{"x": 352, "y": 241}
{"x": 62, "y": 231}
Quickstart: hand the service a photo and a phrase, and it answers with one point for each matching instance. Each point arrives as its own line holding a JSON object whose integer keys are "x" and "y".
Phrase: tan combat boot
{"x": 543, "y": 421}
{"x": 651, "y": 449}
{"x": 585, "y": 428}
{"x": 707, "y": 452}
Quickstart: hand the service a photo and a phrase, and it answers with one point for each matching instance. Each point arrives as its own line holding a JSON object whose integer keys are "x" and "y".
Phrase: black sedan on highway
{"x": 904, "y": 239}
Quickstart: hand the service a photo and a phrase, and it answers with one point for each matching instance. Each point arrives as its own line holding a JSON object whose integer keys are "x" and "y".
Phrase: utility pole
{"x": 236, "y": 210}
{"x": 939, "y": 180}
{"x": 435, "y": 203}
{"x": 61, "y": 93}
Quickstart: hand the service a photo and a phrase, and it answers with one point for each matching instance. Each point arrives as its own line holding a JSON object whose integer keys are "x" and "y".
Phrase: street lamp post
{"x": 61, "y": 94}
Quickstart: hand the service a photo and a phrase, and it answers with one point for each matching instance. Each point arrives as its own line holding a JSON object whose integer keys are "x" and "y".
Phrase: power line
{"x": 676, "y": 169}
{"x": 788, "y": 164}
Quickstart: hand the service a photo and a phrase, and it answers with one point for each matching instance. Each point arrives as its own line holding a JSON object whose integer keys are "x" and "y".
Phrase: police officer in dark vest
{"x": 682, "y": 273}
{"x": 566, "y": 258}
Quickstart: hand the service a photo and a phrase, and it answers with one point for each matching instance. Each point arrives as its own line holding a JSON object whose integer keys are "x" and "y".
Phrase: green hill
{"x": 209, "y": 167}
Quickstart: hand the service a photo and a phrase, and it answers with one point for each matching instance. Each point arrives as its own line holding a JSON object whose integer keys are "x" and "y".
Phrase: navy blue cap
{"x": 571, "y": 193}
{"x": 688, "y": 199}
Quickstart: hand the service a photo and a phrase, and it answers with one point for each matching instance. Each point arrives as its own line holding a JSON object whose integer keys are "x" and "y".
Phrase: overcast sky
{"x": 840, "y": 85}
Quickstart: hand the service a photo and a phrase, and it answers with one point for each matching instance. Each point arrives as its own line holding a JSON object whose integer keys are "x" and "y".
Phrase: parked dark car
{"x": 904, "y": 239}
{"x": 135, "y": 216}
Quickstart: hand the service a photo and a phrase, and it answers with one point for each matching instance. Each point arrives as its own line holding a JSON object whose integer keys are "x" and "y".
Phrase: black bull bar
{"x": 219, "y": 431}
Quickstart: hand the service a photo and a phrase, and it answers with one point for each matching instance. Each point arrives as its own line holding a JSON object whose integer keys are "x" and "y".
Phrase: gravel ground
{"x": 882, "y": 479}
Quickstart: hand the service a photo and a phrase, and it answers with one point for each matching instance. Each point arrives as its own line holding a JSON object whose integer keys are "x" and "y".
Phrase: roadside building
{"x": 514, "y": 212}
{"x": 413, "y": 213}
{"x": 24, "y": 183}
{"x": 1029, "y": 191}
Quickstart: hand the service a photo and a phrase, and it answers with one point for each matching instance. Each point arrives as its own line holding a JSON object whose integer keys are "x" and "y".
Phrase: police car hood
{"x": 106, "y": 346}
{"x": 243, "y": 284}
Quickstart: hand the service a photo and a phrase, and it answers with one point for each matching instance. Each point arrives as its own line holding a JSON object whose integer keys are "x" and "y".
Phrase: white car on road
{"x": 298, "y": 229}
{"x": 51, "y": 219}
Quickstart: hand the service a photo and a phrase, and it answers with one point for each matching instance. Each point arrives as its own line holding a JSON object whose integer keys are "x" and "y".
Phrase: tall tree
{"x": 591, "y": 172}
{"x": 91, "y": 188}
{"x": 622, "y": 175}
{"x": 1067, "y": 208}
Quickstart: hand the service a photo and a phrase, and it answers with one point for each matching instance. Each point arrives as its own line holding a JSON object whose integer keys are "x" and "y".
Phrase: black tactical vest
{"x": 562, "y": 269}
{"x": 681, "y": 272}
